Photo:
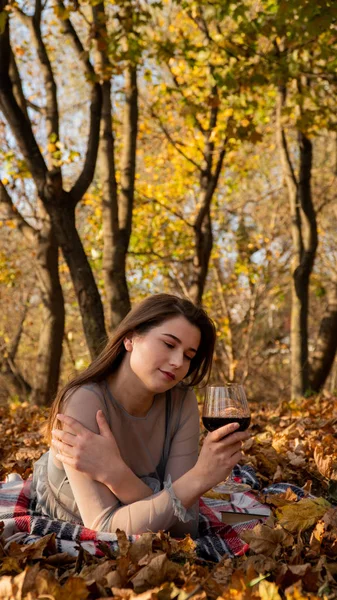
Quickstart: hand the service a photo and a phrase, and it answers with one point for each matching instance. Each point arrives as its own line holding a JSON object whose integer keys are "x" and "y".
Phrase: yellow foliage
{"x": 302, "y": 515}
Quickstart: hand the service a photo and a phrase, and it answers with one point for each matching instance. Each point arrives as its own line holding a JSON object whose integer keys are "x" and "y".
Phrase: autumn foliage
{"x": 292, "y": 554}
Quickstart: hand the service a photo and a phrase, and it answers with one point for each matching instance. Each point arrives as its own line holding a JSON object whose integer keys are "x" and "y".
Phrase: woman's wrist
{"x": 189, "y": 487}
{"x": 113, "y": 475}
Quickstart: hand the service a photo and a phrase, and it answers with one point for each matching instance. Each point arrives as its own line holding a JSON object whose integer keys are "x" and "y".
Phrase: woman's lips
{"x": 168, "y": 375}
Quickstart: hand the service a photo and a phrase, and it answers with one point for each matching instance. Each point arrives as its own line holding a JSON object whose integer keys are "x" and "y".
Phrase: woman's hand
{"x": 86, "y": 451}
{"x": 221, "y": 450}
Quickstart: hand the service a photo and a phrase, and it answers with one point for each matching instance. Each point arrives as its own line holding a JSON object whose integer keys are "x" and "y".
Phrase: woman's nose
{"x": 177, "y": 358}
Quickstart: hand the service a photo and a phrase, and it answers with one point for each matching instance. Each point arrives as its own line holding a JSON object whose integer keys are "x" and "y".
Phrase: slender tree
{"x": 58, "y": 203}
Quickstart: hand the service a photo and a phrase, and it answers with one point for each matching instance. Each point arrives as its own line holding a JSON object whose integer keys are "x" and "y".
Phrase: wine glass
{"x": 225, "y": 404}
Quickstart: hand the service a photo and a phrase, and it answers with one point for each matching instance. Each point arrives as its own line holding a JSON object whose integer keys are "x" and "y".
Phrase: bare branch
{"x": 23, "y": 226}
{"x": 173, "y": 142}
{"x": 173, "y": 212}
{"x": 86, "y": 176}
{"x": 82, "y": 55}
{"x": 17, "y": 85}
{"x": 17, "y": 120}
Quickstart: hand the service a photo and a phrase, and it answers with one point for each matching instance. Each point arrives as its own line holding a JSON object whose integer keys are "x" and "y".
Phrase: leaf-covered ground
{"x": 292, "y": 555}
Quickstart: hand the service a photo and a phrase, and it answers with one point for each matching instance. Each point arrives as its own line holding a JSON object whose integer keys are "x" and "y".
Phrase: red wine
{"x": 213, "y": 423}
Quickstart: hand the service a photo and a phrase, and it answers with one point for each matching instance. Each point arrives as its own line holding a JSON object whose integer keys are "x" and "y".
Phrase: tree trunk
{"x": 326, "y": 346}
{"x": 89, "y": 300}
{"x": 47, "y": 370}
{"x": 117, "y": 202}
{"x": 203, "y": 234}
{"x": 46, "y": 374}
{"x": 304, "y": 236}
{"x": 115, "y": 246}
{"x": 10, "y": 376}
{"x": 120, "y": 301}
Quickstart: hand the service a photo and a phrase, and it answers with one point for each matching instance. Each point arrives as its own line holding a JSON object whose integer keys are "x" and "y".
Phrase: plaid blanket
{"x": 23, "y": 524}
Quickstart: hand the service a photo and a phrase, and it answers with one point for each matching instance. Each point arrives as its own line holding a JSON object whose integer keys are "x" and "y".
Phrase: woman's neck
{"x": 128, "y": 390}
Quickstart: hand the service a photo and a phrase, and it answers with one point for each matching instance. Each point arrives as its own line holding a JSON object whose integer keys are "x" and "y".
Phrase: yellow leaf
{"x": 268, "y": 591}
{"x": 303, "y": 514}
{"x": 51, "y": 147}
{"x": 217, "y": 495}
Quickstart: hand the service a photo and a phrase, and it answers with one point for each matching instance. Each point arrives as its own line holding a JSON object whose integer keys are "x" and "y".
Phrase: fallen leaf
{"x": 325, "y": 463}
{"x": 304, "y": 514}
{"x": 141, "y": 547}
{"x": 265, "y": 540}
{"x": 159, "y": 570}
{"x": 278, "y": 475}
{"x": 123, "y": 543}
{"x": 75, "y": 588}
{"x": 260, "y": 563}
{"x": 98, "y": 572}
{"x": 287, "y": 575}
{"x": 268, "y": 591}
{"x": 282, "y": 499}
{"x": 296, "y": 460}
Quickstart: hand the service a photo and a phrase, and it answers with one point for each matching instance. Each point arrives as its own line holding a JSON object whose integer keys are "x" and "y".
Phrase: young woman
{"x": 127, "y": 454}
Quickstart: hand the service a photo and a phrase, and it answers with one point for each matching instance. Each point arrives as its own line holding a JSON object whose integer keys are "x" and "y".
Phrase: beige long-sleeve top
{"x": 71, "y": 495}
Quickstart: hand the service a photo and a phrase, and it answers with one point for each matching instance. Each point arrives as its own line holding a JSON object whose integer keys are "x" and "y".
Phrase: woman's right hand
{"x": 97, "y": 455}
{"x": 220, "y": 452}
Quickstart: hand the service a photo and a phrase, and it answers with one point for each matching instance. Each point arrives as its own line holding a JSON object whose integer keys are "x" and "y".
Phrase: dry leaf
{"x": 98, "y": 572}
{"x": 296, "y": 460}
{"x": 159, "y": 570}
{"x": 304, "y": 514}
{"x": 268, "y": 591}
{"x": 287, "y": 575}
{"x": 123, "y": 542}
{"x": 325, "y": 463}
{"x": 260, "y": 563}
{"x": 217, "y": 495}
{"x": 264, "y": 540}
{"x": 278, "y": 475}
{"x": 186, "y": 546}
{"x": 141, "y": 547}
{"x": 282, "y": 499}
{"x": 75, "y": 588}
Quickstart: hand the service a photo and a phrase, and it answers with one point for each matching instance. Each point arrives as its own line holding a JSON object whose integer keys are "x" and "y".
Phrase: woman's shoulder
{"x": 82, "y": 402}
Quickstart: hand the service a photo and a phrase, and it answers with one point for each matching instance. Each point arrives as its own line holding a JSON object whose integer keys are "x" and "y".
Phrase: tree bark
{"x": 326, "y": 345}
{"x": 47, "y": 370}
{"x": 117, "y": 201}
{"x": 62, "y": 215}
{"x": 304, "y": 236}
{"x": 116, "y": 238}
{"x": 14, "y": 382}
{"x": 203, "y": 234}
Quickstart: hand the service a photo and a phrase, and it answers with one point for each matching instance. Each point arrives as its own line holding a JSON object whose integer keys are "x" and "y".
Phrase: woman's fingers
{"x": 237, "y": 437}
{"x": 222, "y": 432}
{"x": 104, "y": 428}
{"x": 64, "y": 436}
{"x": 66, "y": 460}
{"x": 64, "y": 449}
{"x": 72, "y": 423}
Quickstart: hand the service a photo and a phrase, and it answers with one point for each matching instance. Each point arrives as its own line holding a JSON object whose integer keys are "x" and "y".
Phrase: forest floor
{"x": 293, "y": 555}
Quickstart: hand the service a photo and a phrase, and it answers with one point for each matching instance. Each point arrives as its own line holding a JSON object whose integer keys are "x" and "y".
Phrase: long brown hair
{"x": 149, "y": 313}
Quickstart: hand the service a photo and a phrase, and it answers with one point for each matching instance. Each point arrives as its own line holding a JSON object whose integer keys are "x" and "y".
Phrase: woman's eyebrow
{"x": 174, "y": 337}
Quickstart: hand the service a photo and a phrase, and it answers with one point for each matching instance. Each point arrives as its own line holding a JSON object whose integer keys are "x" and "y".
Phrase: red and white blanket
{"x": 23, "y": 524}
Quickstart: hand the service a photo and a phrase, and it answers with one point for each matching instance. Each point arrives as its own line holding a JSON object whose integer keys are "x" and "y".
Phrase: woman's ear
{"x": 128, "y": 343}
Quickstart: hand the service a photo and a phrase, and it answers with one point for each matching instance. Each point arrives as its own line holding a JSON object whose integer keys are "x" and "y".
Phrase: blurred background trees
{"x": 169, "y": 146}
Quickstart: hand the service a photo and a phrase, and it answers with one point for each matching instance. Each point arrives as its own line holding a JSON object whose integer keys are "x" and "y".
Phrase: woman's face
{"x": 161, "y": 357}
